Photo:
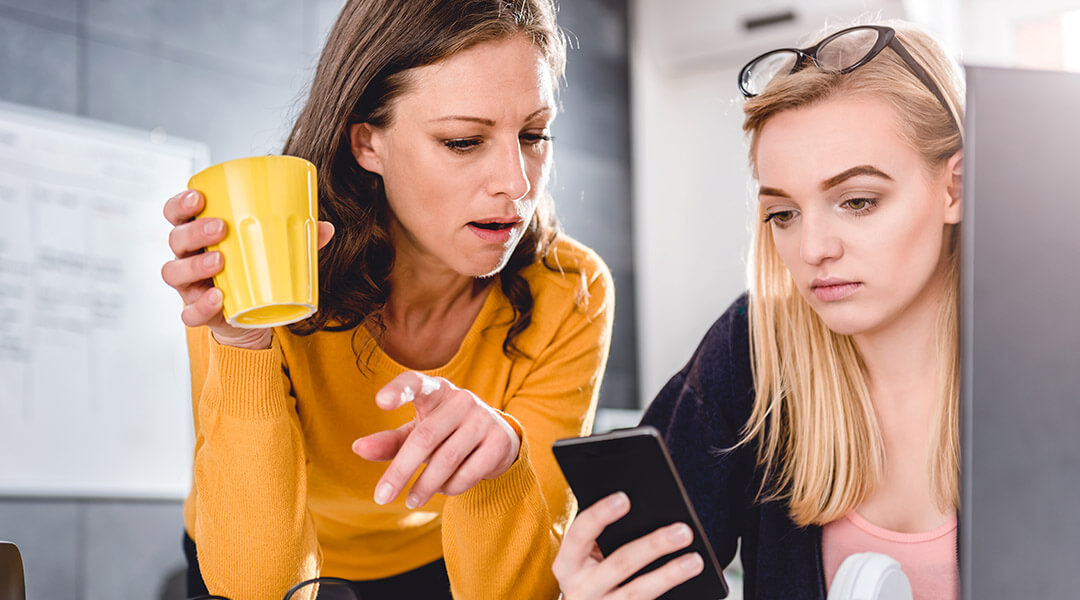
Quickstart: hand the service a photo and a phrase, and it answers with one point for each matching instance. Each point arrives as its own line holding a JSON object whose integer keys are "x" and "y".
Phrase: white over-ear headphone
{"x": 870, "y": 576}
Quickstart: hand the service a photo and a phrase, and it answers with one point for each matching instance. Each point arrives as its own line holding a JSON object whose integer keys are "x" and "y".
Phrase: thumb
{"x": 383, "y": 445}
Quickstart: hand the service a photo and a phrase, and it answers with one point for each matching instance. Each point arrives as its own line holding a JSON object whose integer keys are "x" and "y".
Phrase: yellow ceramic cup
{"x": 270, "y": 208}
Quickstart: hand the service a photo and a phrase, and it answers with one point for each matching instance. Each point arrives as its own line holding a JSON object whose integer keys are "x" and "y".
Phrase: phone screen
{"x": 636, "y": 462}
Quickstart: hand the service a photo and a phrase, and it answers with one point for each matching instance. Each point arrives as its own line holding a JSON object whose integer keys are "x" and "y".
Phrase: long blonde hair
{"x": 819, "y": 444}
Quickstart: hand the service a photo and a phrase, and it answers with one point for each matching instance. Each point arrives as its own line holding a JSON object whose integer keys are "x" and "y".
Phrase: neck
{"x": 903, "y": 358}
{"x": 418, "y": 294}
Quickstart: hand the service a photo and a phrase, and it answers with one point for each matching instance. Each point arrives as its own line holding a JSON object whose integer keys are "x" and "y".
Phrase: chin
{"x": 490, "y": 268}
{"x": 844, "y": 327}
{"x": 845, "y": 320}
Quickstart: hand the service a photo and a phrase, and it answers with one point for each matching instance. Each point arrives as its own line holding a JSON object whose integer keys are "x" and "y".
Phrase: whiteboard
{"x": 94, "y": 384}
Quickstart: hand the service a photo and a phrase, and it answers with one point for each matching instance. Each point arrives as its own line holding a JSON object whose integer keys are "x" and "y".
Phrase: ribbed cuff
{"x": 494, "y": 497}
{"x": 249, "y": 381}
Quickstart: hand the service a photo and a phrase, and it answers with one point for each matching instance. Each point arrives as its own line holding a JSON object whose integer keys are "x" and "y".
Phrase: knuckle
{"x": 424, "y": 436}
{"x": 468, "y": 475}
{"x": 172, "y": 207}
{"x": 661, "y": 541}
{"x": 454, "y": 398}
{"x": 580, "y": 539}
{"x": 673, "y": 572}
{"x": 498, "y": 439}
{"x": 456, "y": 486}
{"x": 621, "y": 562}
{"x": 447, "y": 458}
{"x": 575, "y": 533}
{"x": 395, "y": 475}
{"x": 587, "y": 525}
{"x": 174, "y": 234}
{"x": 476, "y": 426}
{"x": 188, "y": 317}
{"x": 421, "y": 490}
{"x": 166, "y": 272}
{"x": 208, "y": 262}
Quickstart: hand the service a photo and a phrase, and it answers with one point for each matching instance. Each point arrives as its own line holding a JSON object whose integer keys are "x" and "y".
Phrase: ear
{"x": 366, "y": 144}
{"x": 954, "y": 187}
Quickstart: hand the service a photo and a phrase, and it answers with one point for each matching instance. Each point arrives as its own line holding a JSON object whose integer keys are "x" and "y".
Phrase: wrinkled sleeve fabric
{"x": 254, "y": 535}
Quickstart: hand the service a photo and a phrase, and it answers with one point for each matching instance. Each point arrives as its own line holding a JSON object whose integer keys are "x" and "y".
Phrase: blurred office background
{"x": 650, "y": 171}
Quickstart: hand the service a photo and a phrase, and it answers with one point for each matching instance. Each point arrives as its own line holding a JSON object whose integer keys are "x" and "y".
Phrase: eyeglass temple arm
{"x": 923, "y": 76}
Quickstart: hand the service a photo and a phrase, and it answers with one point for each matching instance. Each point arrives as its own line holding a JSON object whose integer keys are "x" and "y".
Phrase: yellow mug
{"x": 270, "y": 208}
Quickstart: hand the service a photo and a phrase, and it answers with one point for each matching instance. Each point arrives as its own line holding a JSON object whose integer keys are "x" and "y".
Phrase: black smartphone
{"x": 635, "y": 461}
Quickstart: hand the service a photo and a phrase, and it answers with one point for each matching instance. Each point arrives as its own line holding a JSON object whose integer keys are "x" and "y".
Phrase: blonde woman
{"x": 818, "y": 417}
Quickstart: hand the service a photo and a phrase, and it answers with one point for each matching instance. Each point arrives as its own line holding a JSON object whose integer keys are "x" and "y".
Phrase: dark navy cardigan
{"x": 700, "y": 413}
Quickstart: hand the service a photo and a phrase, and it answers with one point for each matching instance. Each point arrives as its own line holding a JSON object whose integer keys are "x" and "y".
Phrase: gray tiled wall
{"x": 232, "y": 74}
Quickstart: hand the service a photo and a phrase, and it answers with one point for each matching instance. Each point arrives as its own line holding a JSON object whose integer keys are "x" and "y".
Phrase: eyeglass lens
{"x": 846, "y": 50}
{"x": 759, "y": 74}
{"x": 837, "y": 54}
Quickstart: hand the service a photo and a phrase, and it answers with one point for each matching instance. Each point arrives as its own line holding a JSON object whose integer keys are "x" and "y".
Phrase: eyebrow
{"x": 831, "y": 182}
{"x": 771, "y": 191}
{"x": 488, "y": 122}
{"x": 836, "y": 180}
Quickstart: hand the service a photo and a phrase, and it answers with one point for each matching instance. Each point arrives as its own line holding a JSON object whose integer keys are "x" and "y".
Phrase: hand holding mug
{"x": 190, "y": 273}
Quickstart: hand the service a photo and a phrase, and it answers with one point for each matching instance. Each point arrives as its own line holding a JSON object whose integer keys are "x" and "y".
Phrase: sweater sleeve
{"x": 501, "y": 536}
{"x": 700, "y": 414}
{"x": 252, "y": 530}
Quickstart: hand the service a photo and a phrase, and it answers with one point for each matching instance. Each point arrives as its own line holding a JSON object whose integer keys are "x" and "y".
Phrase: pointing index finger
{"x": 406, "y": 388}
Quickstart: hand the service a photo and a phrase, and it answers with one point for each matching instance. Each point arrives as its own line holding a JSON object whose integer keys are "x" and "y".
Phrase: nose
{"x": 819, "y": 242}
{"x": 509, "y": 176}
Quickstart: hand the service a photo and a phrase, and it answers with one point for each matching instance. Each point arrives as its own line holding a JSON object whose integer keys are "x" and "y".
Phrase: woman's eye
{"x": 536, "y": 138}
{"x": 780, "y": 217}
{"x": 860, "y": 204}
{"x": 462, "y": 144}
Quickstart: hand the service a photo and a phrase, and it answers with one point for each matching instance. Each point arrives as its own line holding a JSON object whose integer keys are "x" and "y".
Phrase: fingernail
{"x": 691, "y": 563}
{"x": 619, "y": 501}
{"x": 211, "y": 259}
{"x": 214, "y": 297}
{"x": 412, "y": 502}
{"x": 190, "y": 200}
{"x": 680, "y": 534}
{"x": 212, "y": 226}
{"x": 383, "y": 493}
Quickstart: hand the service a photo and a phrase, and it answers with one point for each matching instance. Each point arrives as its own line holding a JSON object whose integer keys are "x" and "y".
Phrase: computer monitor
{"x": 1020, "y": 336}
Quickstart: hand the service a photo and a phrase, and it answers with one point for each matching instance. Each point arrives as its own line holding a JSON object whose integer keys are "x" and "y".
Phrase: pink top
{"x": 928, "y": 559}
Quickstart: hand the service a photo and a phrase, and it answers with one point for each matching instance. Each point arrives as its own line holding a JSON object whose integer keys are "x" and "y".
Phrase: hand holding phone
{"x": 638, "y": 541}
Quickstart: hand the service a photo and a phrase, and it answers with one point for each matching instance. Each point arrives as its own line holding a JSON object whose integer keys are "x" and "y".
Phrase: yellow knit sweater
{"x": 278, "y": 495}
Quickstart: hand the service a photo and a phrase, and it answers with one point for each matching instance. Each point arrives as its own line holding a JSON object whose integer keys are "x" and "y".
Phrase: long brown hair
{"x": 819, "y": 443}
{"x": 364, "y": 67}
